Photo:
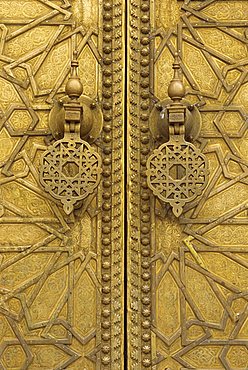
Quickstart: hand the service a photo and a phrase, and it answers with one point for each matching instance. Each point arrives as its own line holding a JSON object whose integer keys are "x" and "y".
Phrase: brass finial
{"x": 74, "y": 87}
{"x": 176, "y": 89}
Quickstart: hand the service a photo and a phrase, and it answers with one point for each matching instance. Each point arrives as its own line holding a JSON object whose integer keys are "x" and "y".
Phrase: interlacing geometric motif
{"x": 70, "y": 171}
{"x": 177, "y": 173}
{"x": 193, "y": 308}
{"x": 55, "y": 307}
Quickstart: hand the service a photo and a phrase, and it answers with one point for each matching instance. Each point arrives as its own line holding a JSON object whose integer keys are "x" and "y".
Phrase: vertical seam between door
{"x": 125, "y": 131}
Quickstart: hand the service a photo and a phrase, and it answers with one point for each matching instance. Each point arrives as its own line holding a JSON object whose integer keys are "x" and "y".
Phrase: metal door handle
{"x": 177, "y": 171}
{"x": 70, "y": 168}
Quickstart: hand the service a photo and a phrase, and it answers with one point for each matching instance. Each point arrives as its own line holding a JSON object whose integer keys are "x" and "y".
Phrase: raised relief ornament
{"x": 177, "y": 171}
{"x": 70, "y": 168}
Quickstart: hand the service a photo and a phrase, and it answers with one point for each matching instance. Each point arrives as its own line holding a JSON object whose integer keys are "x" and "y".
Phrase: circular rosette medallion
{"x": 70, "y": 171}
{"x": 177, "y": 173}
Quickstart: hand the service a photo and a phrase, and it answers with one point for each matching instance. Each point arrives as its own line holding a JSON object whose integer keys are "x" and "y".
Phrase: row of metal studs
{"x": 144, "y": 192}
{"x": 107, "y": 184}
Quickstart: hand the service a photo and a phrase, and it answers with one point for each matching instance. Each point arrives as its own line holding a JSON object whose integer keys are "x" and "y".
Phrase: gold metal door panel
{"x": 61, "y": 275}
{"x": 62, "y": 302}
{"x": 188, "y": 275}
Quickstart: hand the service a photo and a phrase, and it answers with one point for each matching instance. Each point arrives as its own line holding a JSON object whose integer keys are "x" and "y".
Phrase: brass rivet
{"x": 145, "y": 30}
{"x": 144, "y": 51}
{"x": 146, "y": 337}
{"x": 106, "y": 195}
{"x": 107, "y": 6}
{"x": 146, "y": 276}
{"x": 145, "y": 195}
{"x": 144, "y": 116}
{"x": 145, "y": 288}
{"x": 107, "y": 49}
{"x": 107, "y": 72}
{"x": 105, "y": 300}
{"x": 106, "y": 290}
{"x": 107, "y": 27}
{"x": 106, "y": 336}
{"x": 107, "y": 139}
{"x": 105, "y": 324}
{"x": 146, "y": 362}
{"x": 145, "y": 208}
{"x": 106, "y": 218}
{"x": 145, "y": 252}
{"x": 107, "y": 161}
{"x": 107, "y": 150}
{"x": 146, "y": 349}
{"x": 145, "y": 241}
{"x": 107, "y": 128}
{"x": 145, "y": 7}
{"x": 144, "y": 18}
{"x": 105, "y": 349}
{"x": 107, "y": 16}
{"x": 146, "y": 324}
{"x": 146, "y": 300}
{"x": 106, "y": 360}
{"x": 106, "y": 184}
{"x": 145, "y": 218}
{"x": 145, "y": 139}
{"x": 107, "y": 61}
{"x": 145, "y": 62}
{"x": 107, "y": 118}
{"x": 106, "y": 312}
{"x": 106, "y": 241}
{"x": 106, "y": 206}
{"x": 106, "y": 265}
{"x": 106, "y": 252}
{"x": 106, "y": 172}
{"x": 145, "y": 41}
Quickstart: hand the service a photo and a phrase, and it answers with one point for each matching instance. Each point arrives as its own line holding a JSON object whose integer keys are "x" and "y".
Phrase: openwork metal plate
{"x": 70, "y": 171}
{"x": 177, "y": 173}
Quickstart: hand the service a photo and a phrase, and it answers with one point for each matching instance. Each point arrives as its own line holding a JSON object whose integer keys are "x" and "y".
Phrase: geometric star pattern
{"x": 49, "y": 275}
{"x": 201, "y": 262}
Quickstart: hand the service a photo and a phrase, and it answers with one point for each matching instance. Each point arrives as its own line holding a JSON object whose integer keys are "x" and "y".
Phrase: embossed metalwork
{"x": 61, "y": 303}
{"x": 159, "y": 122}
{"x": 70, "y": 171}
{"x": 91, "y": 127}
{"x": 187, "y": 276}
{"x": 61, "y": 276}
{"x": 177, "y": 171}
{"x": 70, "y": 168}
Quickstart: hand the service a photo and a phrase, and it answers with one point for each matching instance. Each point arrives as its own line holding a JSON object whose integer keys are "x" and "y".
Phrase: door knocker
{"x": 71, "y": 168}
{"x": 177, "y": 172}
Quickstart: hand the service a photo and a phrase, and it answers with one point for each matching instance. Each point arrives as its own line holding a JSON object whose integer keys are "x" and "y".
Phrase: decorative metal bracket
{"x": 70, "y": 168}
{"x": 177, "y": 171}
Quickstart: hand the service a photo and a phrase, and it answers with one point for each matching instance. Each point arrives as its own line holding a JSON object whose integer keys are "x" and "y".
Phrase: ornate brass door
{"x": 188, "y": 275}
{"x": 61, "y": 270}
{"x": 123, "y": 215}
